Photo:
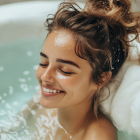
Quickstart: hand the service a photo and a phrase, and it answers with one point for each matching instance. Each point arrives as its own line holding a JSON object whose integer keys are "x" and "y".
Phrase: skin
{"x": 73, "y": 106}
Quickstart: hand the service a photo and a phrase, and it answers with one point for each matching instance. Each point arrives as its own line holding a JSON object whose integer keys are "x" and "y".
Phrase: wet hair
{"x": 101, "y": 32}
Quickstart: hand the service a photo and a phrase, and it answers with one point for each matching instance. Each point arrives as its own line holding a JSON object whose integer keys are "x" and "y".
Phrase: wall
{"x": 135, "y": 7}
{"x": 13, "y": 1}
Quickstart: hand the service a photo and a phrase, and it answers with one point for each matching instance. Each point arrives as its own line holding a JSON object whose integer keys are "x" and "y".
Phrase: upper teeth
{"x": 50, "y": 90}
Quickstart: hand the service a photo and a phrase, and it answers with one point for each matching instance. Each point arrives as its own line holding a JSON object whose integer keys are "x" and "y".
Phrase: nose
{"x": 47, "y": 76}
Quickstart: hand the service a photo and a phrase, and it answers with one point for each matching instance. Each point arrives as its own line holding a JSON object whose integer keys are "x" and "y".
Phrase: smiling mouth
{"x": 49, "y": 93}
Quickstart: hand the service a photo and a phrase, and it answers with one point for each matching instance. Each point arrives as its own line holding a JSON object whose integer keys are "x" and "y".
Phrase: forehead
{"x": 63, "y": 39}
{"x": 60, "y": 41}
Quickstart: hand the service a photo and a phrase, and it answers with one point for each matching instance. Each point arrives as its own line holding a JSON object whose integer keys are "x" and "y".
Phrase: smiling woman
{"x": 85, "y": 52}
{"x": 84, "y": 49}
{"x": 65, "y": 84}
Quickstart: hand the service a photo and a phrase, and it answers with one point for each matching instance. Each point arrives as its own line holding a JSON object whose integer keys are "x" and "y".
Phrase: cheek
{"x": 68, "y": 82}
{"x": 65, "y": 81}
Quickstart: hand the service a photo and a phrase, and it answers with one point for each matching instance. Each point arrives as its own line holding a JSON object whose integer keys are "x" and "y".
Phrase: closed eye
{"x": 43, "y": 64}
{"x": 66, "y": 73}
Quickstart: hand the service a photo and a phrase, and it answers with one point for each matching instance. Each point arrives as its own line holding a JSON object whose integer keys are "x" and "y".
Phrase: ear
{"x": 105, "y": 78}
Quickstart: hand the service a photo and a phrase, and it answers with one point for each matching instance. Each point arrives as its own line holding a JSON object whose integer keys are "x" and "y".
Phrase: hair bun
{"x": 118, "y": 14}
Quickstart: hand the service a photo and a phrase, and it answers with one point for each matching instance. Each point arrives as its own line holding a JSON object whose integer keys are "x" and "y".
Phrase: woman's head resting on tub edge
{"x": 83, "y": 50}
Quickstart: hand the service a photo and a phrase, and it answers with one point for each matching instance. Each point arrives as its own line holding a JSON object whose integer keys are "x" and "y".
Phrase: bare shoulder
{"x": 102, "y": 129}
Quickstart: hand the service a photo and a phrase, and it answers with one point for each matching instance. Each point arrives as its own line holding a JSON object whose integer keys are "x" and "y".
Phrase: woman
{"x": 84, "y": 49}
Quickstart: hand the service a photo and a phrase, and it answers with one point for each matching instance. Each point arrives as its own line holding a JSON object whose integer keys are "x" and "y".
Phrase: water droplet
{"x": 8, "y": 106}
{"x": 10, "y": 90}
{"x": 4, "y": 94}
{"x": 33, "y": 112}
{"x": 15, "y": 103}
{"x": 35, "y": 67}
{"x": 26, "y": 72}
{"x": 2, "y": 112}
{"x": 1, "y": 68}
{"x": 26, "y": 131}
{"x": 37, "y": 87}
{"x": 29, "y": 53}
{"x": 3, "y": 101}
{"x": 29, "y": 78}
{"x": 24, "y": 87}
{"x": 21, "y": 80}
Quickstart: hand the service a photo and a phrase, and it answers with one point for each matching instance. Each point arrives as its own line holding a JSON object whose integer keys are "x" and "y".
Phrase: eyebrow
{"x": 61, "y": 60}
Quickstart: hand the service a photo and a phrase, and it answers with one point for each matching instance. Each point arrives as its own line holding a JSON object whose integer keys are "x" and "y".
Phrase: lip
{"x": 50, "y": 88}
{"x": 50, "y": 94}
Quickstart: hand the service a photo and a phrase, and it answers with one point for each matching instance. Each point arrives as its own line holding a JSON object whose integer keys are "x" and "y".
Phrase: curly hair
{"x": 101, "y": 32}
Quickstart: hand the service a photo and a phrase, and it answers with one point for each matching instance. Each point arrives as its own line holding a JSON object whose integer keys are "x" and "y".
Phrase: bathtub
{"x": 22, "y": 34}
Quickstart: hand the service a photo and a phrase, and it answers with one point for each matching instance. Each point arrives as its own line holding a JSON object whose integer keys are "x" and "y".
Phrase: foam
{"x": 26, "y": 72}
{"x": 123, "y": 105}
{"x": 1, "y": 68}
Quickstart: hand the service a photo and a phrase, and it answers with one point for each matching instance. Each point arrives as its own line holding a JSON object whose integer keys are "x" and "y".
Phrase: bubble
{"x": 21, "y": 80}
{"x": 29, "y": 53}
{"x": 1, "y": 68}
{"x": 8, "y": 106}
{"x": 24, "y": 87}
{"x": 26, "y": 132}
{"x": 29, "y": 78}
{"x": 35, "y": 67}
{"x": 4, "y": 94}
{"x": 37, "y": 87}
{"x": 24, "y": 107}
{"x": 26, "y": 72}
{"x": 2, "y": 112}
{"x": 33, "y": 112}
{"x": 129, "y": 133}
{"x": 0, "y": 97}
{"x": 3, "y": 101}
{"x": 15, "y": 103}
{"x": 10, "y": 90}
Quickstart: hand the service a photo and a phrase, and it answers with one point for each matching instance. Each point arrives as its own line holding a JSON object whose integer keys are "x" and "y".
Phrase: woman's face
{"x": 65, "y": 71}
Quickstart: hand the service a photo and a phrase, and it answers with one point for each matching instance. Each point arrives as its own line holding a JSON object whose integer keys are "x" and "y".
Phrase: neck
{"x": 74, "y": 118}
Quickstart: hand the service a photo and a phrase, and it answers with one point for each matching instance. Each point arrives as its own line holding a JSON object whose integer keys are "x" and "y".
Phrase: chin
{"x": 46, "y": 103}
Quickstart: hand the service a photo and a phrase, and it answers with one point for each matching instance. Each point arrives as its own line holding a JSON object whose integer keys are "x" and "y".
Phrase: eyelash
{"x": 66, "y": 73}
